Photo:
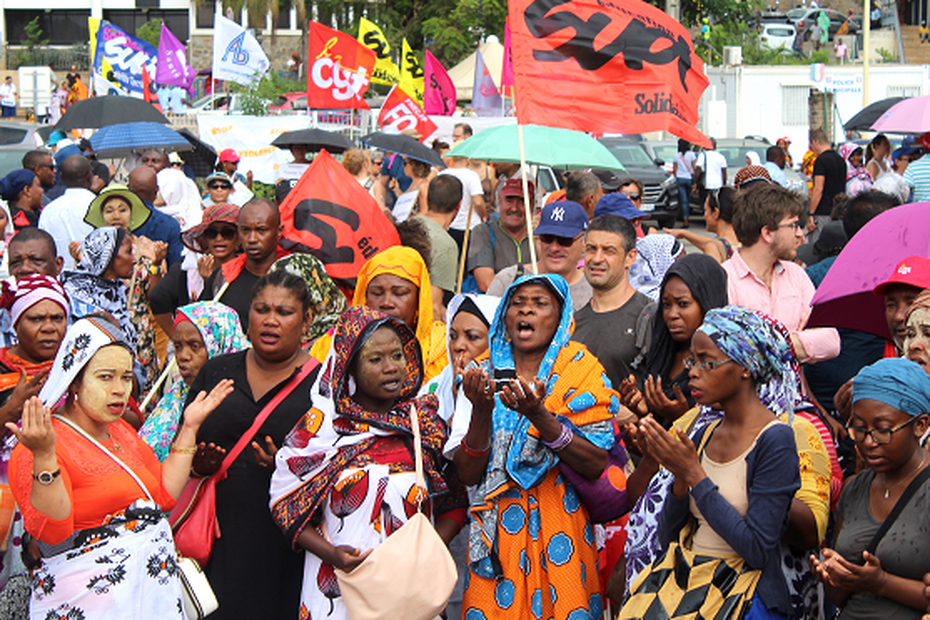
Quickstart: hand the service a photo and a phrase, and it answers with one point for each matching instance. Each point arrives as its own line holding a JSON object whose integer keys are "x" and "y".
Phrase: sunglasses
{"x": 565, "y": 242}
{"x": 49, "y": 166}
{"x": 633, "y": 196}
{"x": 226, "y": 233}
{"x": 219, "y": 186}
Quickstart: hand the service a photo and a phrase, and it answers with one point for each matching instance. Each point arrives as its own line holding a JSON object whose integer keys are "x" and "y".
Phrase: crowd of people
{"x": 622, "y": 426}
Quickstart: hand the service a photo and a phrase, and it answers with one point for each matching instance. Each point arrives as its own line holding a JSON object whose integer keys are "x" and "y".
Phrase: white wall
{"x": 758, "y": 98}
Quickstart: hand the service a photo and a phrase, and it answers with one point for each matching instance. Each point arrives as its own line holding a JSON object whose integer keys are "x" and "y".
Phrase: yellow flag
{"x": 385, "y": 71}
{"x": 411, "y": 74}
{"x": 103, "y": 68}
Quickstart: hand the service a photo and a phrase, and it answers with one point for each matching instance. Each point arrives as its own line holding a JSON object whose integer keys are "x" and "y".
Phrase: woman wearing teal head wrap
{"x": 891, "y": 400}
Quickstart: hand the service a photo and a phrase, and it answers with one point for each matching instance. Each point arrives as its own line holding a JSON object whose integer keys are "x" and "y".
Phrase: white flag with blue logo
{"x": 237, "y": 55}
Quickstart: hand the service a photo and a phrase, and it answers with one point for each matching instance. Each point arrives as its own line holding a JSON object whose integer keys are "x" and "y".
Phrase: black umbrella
{"x": 864, "y": 119}
{"x": 202, "y": 159}
{"x": 404, "y": 145}
{"x": 314, "y": 140}
{"x": 98, "y": 112}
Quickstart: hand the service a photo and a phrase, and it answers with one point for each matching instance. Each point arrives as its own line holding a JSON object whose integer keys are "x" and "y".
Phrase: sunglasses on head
{"x": 225, "y": 232}
{"x": 565, "y": 242}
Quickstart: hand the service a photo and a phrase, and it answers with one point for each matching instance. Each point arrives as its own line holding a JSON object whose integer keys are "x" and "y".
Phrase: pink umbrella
{"x": 908, "y": 116}
{"x": 845, "y": 297}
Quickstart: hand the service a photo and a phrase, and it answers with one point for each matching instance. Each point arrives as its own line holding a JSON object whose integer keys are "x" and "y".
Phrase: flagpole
{"x": 471, "y": 209}
{"x": 526, "y": 198}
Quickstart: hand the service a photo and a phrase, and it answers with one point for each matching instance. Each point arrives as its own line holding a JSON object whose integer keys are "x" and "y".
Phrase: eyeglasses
{"x": 633, "y": 196}
{"x": 565, "y": 242}
{"x": 49, "y": 166}
{"x": 219, "y": 186}
{"x": 704, "y": 365}
{"x": 880, "y": 436}
{"x": 225, "y": 232}
{"x": 795, "y": 225}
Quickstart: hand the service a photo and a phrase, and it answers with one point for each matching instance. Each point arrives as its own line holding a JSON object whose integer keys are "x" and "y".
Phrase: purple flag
{"x": 485, "y": 99}
{"x": 173, "y": 69}
{"x": 439, "y": 96}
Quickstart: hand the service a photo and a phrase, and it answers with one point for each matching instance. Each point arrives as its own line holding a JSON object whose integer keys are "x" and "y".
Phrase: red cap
{"x": 913, "y": 271}
{"x": 514, "y": 187}
{"x": 784, "y": 139}
{"x": 229, "y": 155}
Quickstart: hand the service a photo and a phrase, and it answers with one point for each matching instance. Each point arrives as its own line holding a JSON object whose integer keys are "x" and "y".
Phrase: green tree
{"x": 454, "y": 34}
{"x": 150, "y": 31}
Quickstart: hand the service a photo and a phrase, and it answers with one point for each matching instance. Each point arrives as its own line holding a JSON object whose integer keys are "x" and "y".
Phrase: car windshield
{"x": 736, "y": 155}
{"x": 629, "y": 154}
{"x": 796, "y": 13}
{"x": 665, "y": 152}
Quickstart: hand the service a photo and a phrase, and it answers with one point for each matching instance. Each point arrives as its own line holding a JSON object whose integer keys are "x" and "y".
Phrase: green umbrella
{"x": 545, "y": 146}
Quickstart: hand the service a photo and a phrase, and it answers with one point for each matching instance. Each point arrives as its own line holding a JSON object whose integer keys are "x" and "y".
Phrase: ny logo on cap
{"x": 904, "y": 270}
{"x": 558, "y": 213}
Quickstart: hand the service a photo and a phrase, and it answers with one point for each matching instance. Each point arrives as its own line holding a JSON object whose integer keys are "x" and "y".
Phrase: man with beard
{"x": 498, "y": 244}
{"x": 560, "y": 240}
{"x": 607, "y": 324}
{"x": 259, "y": 231}
{"x": 761, "y": 275}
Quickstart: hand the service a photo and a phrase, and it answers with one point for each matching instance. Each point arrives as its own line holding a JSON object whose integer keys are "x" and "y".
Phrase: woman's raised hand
{"x": 205, "y": 403}
{"x": 632, "y": 398}
{"x": 37, "y": 433}
{"x": 208, "y": 458}
{"x": 662, "y": 405}
{"x": 265, "y": 457}
{"x": 525, "y": 398}
{"x": 677, "y": 454}
{"x": 476, "y": 387}
{"x": 837, "y": 571}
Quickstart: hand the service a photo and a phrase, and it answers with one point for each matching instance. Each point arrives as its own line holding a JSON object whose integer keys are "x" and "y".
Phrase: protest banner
{"x": 119, "y": 58}
{"x": 340, "y": 70}
{"x": 439, "y": 96}
{"x": 173, "y": 69}
{"x": 605, "y": 66}
{"x": 330, "y": 215}
{"x": 251, "y": 137}
{"x": 411, "y": 73}
{"x": 399, "y": 112}
{"x": 385, "y": 71}
{"x": 485, "y": 99}
{"x": 237, "y": 55}
{"x": 507, "y": 69}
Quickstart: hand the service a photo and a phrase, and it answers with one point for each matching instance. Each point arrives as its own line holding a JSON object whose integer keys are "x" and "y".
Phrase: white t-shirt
{"x": 471, "y": 186}
{"x": 8, "y": 95}
{"x": 684, "y": 164}
{"x": 713, "y": 163}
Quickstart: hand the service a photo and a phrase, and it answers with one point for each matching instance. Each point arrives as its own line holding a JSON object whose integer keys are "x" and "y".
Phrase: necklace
{"x": 888, "y": 489}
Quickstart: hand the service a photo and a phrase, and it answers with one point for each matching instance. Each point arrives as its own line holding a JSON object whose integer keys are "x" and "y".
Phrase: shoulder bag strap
{"x": 899, "y": 507}
{"x": 233, "y": 454}
{"x": 418, "y": 454}
{"x": 85, "y": 435}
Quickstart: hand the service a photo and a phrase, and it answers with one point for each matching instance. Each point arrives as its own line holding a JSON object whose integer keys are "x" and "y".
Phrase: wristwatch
{"x": 47, "y": 477}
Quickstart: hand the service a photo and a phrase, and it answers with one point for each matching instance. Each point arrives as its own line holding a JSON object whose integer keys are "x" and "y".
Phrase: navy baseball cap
{"x": 620, "y": 204}
{"x": 563, "y": 218}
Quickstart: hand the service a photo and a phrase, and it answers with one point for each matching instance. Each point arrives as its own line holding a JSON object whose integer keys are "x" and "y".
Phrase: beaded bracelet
{"x": 475, "y": 454}
{"x": 562, "y": 441}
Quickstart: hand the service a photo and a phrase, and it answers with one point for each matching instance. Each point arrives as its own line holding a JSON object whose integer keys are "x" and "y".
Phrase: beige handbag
{"x": 410, "y": 575}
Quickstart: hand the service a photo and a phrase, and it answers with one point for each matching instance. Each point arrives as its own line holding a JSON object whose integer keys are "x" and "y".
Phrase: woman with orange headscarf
{"x": 396, "y": 282}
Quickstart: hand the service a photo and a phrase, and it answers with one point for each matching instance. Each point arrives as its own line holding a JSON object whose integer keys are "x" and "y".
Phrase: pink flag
{"x": 439, "y": 97}
{"x": 507, "y": 69}
{"x": 172, "y": 69}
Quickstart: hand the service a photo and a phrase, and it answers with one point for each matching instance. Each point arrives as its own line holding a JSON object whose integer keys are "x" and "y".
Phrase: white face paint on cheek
{"x": 102, "y": 384}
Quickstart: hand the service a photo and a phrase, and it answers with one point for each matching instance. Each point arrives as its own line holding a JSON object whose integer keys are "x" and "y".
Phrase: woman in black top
{"x": 253, "y": 570}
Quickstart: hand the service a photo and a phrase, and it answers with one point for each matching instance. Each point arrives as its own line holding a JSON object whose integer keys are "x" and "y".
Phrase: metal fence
{"x": 58, "y": 58}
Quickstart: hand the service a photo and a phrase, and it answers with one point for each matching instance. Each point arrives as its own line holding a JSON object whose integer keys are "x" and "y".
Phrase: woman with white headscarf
{"x": 179, "y": 197}
{"x": 655, "y": 254}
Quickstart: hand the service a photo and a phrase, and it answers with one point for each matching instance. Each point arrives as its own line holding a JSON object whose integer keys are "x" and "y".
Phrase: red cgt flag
{"x": 618, "y": 66}
{"x": 330, "y": 215}
{"x": 399, "y": 111}
{"x": 340, "y": 70}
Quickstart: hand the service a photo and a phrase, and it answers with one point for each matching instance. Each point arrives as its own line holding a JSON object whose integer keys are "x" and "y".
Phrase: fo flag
{"x": 369, "y": 35}
{"x": 605, "y": 66}
{"x": 330, "y": 215}
{"x": 340, "y": 70}
{"x": 400, "y": 112}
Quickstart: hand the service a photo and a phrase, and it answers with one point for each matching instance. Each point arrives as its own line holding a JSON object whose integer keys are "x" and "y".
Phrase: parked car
{"x": 18, "y": 138}
{"x": 289, "y": 103}
{"x": 216, "y": 103}
{"x": 804, "y": 19}
{"x": 775, "y": 36}
{"x": 735, "y": 150}
{"x": 660, "y": 197}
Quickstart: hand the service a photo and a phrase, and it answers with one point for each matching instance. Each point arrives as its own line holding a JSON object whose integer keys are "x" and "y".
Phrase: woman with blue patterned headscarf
{"x": 531, "y": 546}
{"x": 891, "y": 400}
{"x": 738, "y": 488}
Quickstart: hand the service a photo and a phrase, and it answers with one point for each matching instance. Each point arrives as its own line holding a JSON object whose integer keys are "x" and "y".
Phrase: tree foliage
{"x": 150, "y": 31}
